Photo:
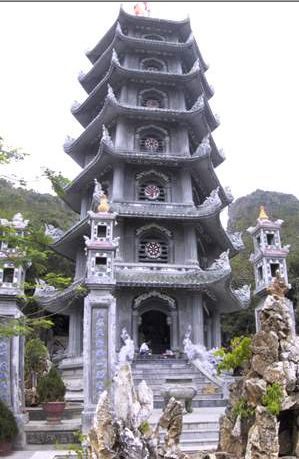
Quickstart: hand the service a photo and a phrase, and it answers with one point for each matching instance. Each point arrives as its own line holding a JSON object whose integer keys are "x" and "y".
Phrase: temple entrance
{"x": 154, "y": 330}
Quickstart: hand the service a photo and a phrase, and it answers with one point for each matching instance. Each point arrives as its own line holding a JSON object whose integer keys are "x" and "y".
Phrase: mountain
{"x": 38, "y": 208}
{"x": 243, "y": 213}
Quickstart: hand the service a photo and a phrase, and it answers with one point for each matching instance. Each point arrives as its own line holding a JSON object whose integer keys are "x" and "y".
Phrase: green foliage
{"x": 23, "y": 326}
{"x": 57, "y": 280}
{"x": 58, "y": 181}
{"x": 50, "y": 387}
{"x": 273, "y": 398}
{"x": 36, "y": 354}
{"x": 236, "y": 357}
{"x": 144, "y": 427}
{"x": 242, "y": 409}
{"x": 8, "y": 425}
{"x": 76, "y": 447}
{"x": 8, "y": 154}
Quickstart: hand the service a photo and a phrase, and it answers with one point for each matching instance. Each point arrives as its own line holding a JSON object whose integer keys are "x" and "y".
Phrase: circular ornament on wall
{"x": 152, "y": 191}
{"x": 151, "y": 144}
{"x": 153, "y": 249}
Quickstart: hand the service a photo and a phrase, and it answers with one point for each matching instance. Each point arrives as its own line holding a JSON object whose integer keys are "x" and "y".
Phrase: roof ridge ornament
{"x": 81, "y": 75}
{"x": 243, "y": 294}
{"x": 220, "y": 263}
{"x": 212, "y": 200}
{"x": 195, "y": 67}
{"x": 236, "y": 239}
{"x": 228, "y": 193}
{"x": 75, "y": 106}
{"x": 118, "y": 28}
{"x": 106, "y": 136}
{"x": 68, "y": 141}
{"x": 190, "y": 39}
{"x": 114, "y": 57}
{"x": 110, "y": 93}
{"x": 199, "y": 103}
{"x": 204, "y": 147}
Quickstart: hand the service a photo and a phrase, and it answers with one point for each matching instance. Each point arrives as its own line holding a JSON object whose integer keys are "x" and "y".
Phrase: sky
{"x": 252, "y": 50}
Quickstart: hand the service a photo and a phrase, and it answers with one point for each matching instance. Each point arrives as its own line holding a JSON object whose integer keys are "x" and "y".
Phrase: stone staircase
{"x": 159, "y": 372}
{"x": 200, "y": 428}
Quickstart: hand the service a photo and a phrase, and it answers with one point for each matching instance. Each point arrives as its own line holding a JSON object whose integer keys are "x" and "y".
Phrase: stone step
{"x": 41, "y": 433}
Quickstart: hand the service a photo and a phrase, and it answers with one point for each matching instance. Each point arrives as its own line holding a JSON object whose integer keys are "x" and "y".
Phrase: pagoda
{"x": 149, "y": 246}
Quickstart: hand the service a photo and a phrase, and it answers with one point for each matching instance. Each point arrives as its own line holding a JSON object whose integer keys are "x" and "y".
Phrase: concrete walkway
{"x": 51, "y": 454}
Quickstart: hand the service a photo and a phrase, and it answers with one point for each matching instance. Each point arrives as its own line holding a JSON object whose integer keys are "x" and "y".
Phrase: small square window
{"x": 8, "y": 274}
{"x": 102, "y": 231}
{"x": 274, "y": 267}
{"x": 270, "y": 239}
{"x": 260, "y": 273}
{"x": 101, "y": 261}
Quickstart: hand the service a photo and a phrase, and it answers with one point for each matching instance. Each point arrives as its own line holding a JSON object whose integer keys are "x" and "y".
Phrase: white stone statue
{"x": 199, "y": 354}
{"x": 97, "y": 195}
{"x": 42, "y": 288}
{"x": 126, "y": 354}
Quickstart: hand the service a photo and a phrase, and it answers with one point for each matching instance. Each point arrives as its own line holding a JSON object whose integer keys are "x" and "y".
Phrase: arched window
{"x": 153, "y": 65}
{"x": 154, "y": 37}
{"x": 152, "y": 186}
{"x": 153, "y": 247}
{"x": 151, "y": 139}
{"x": 152, "y": 98}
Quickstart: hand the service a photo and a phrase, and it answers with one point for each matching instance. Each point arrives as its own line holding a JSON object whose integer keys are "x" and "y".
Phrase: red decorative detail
{"x": 153, "y": 249}
{"x": 152, "y": 191}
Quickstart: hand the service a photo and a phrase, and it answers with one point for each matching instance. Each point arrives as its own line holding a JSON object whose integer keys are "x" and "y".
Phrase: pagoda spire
{"x": 263, "y": 214}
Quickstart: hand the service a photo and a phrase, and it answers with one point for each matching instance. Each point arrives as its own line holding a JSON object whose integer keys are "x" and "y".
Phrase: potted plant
{"x": 51, "y": 391}
{"x": 8, "y": 429}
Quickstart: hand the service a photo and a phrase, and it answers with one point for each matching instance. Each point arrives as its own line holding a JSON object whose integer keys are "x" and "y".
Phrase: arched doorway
{"x": 155, "y": 330}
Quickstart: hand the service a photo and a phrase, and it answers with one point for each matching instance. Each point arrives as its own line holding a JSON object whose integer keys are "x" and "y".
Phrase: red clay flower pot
{"x": 5, "y": 447}
{"x": 53, "y": 411}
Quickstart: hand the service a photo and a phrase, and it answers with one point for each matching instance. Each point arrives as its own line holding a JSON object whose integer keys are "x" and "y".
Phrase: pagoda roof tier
{"x": 194, "y": 82}
{"x": 199, "y": 118}
{"x": 142, "y": 22}
{"x": 270, "y": 252}
{"x": 201, "y": 164}
{"x": 58, "y": 301}
{"x": 214, "y": 281}
{"x": 122, "y": 43}
{"x": 67, "y": 245}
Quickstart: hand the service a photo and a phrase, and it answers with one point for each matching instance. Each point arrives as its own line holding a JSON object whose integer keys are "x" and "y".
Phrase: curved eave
{"x": 126, "y": 18}
{"x": 227, "y": 300}
{"x": 194, "y": 82}
{"x": 200, "y": 163}
{"x": 196, "y": 278}
{"x": 121, "y": 43}
{"x": 168, "y": 211}
{"x": 68, "y": 244}
{"x": 200, "y": 119}
{"x": 58, "y": 301}
{"x": 214, "y": 228}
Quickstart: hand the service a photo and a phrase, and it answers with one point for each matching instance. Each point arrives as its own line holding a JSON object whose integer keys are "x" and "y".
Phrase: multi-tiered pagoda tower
{"x": 158, "y": 260}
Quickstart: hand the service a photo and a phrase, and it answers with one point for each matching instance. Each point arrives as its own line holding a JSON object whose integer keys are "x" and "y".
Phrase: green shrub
{"x": 50, "y": 387}
{"x": 36, "y": 354}
{"x": 242, "y": 409}
{"x": 237, "y": 357}
{"x": 8, "y": 425}
{"x": 273, "y": 398}
{"x": 144, "y": 427}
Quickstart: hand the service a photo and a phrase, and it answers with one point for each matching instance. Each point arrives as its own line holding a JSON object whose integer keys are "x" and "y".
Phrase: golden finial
{"x": 278, "y": 287}
{"x": 263, "y": 214}
{"x": 103, "y": 207}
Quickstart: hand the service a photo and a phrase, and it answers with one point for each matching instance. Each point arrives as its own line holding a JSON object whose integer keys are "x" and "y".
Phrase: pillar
{"x": 191, "y": 256}
{"x": 197, "y": 320}
{"x": 99, "y": 349}
{"x": 118, "y": 182}
{"x": 174, "y": 327}
{"x": 216, "y": 329}
{"x": 135, "y": 325}
{"x": 75, "y": 333}
{"x": 209, "y": 332}
{"x": 186, "y": 187}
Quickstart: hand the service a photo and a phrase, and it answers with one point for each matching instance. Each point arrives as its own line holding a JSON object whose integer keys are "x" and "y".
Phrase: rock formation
{"x": 261, "y": 419}
{"x": 124, "y": 432}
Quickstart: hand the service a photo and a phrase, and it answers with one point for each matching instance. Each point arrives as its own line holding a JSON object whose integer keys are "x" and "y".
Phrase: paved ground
{"x": 39, "y": 454}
